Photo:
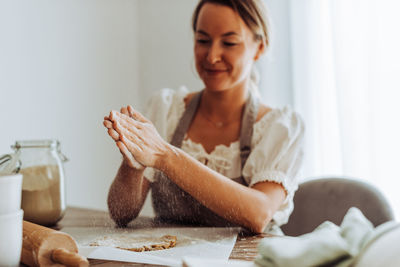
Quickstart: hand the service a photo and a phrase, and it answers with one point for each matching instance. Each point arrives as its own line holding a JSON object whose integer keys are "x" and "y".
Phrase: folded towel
{"x": 327, "y": 245}
{"x": 355, "y": 229}
{"x": 306, "y": 250}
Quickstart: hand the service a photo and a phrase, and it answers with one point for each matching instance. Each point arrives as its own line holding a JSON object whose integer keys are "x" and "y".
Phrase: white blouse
{"x": 276, "y": 146}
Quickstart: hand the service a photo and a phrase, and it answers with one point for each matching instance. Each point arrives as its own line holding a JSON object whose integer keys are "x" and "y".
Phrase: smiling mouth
{"x": 214, "y": 71}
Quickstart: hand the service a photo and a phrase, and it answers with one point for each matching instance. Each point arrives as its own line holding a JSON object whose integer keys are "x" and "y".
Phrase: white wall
{"x": 166, "y": 46}
{"x": 276, "y": 66}
{"x": 65, "y": 64}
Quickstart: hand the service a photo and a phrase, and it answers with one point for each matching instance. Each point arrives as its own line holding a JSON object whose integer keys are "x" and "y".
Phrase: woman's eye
{"x": 229, "y": 44}
{"x": 202, "y": 41}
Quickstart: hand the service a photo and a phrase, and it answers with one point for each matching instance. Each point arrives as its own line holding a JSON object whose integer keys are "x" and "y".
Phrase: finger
{"x": 130, "y": 111}
{"x": 124, "y": 111}
{"x": 113, "y": 115}
{"x": 108, "y": 124}
{"x": 119, "y": 128}
{"x": 114, "y": 135}
{"x": 136, "y": 115}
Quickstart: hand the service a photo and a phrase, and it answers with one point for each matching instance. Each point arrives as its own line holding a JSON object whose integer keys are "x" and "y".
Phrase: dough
{"x": 136, "y": 243}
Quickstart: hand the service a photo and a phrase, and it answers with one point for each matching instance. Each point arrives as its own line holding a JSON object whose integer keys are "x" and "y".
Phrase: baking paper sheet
{"x": 197, "y": 242}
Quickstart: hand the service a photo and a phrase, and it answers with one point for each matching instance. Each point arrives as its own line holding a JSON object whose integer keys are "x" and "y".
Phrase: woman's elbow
{"x": 260, "y": 221}
{"x": 120, "y": 221}
{"x": 121, "y": 217}
{"x": 120, "y": 214}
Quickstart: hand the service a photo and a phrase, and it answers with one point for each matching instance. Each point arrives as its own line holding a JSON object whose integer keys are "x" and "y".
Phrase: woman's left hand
{"x": 140, "y": 137}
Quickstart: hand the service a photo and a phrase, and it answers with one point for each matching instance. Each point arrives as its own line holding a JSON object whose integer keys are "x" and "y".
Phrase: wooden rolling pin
{"x": 42, "y": 246}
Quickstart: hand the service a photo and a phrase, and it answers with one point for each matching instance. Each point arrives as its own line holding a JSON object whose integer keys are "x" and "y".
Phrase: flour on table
{"x": 135, "y": 243}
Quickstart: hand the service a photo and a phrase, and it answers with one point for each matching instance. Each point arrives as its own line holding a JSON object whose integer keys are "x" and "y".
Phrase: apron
{"x": 170, "y": 202}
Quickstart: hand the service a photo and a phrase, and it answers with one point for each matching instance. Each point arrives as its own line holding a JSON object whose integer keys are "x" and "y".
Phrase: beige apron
{"x": 171, "y": 203}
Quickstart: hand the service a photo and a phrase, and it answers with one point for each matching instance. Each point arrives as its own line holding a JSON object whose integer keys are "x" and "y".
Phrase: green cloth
{"x": 327, "y": 245}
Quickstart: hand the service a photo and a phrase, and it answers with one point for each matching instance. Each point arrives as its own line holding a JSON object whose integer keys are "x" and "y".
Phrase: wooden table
{"x": 244, "y": 249}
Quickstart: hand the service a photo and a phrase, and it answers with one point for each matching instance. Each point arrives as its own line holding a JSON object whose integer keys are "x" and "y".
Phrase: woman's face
{"x": 225, "y": 48}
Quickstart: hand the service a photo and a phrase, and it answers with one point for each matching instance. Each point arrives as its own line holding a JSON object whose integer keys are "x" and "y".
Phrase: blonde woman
{"x": 218, "y": 156}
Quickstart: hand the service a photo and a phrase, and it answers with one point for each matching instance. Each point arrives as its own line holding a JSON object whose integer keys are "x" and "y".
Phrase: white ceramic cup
{"x": 11, "y": 238}
{"x": 10, "y": 193}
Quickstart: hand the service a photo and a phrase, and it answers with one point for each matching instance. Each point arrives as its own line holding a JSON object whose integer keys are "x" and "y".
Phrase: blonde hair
{"x": 254, "y": 15}
{"x": 252, "y": 12}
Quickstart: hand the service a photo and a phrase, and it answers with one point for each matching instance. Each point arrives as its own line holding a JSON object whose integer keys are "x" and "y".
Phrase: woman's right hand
{"x": 128, "y": 157}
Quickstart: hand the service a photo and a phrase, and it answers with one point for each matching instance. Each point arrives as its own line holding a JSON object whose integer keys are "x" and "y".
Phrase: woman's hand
{"x": 128, "y": 157}
{"x": 139, "y": 136}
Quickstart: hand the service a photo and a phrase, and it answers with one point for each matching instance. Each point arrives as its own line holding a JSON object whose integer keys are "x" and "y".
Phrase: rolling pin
{"x": 42, "y": 246}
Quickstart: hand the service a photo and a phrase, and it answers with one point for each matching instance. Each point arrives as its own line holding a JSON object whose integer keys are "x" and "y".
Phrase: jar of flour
{"x": 43, "y": 193}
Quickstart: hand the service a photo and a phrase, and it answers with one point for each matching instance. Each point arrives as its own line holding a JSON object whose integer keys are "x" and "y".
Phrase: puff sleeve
{"x": 276, "y": 155}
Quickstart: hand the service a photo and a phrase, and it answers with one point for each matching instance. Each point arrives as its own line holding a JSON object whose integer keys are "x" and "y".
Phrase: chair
{"x": 328, "y": 199}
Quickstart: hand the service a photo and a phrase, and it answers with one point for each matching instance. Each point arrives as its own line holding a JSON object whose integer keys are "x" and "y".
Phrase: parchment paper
{"x": 197, "y": 242}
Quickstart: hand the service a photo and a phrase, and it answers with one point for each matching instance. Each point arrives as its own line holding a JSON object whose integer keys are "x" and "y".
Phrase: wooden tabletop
{"x": 244, "y": 249}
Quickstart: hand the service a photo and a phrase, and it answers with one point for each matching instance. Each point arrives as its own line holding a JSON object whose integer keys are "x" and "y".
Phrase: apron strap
{"x": 186, "y": 120}
{"x": 246, "y": 131}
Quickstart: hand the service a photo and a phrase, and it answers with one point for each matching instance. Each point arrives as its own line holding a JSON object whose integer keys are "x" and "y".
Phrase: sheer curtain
{"x": 346, "y": 84}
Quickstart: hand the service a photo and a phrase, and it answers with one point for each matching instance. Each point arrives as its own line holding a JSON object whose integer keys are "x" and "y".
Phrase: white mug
{"x": 11, "y": 238}
{"x": 10, "y": 193}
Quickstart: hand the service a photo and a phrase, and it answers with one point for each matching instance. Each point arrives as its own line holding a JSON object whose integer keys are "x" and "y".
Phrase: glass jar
{"x": 43, "y": 189}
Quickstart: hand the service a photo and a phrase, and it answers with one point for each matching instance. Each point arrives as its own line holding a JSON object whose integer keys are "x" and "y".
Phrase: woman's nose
{"x": 214, "y": 54}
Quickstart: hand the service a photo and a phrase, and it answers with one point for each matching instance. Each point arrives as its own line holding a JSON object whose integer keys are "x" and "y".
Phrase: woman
{"x": 232, "y": 160}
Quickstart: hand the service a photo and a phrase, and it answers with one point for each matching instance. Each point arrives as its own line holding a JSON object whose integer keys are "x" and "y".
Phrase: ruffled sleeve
{"x": 164, "y": 109}
{"x": 276, "y": 155}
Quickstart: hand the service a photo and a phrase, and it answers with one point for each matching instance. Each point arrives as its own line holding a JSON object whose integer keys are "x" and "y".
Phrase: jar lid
{"x": 49, "y": 143}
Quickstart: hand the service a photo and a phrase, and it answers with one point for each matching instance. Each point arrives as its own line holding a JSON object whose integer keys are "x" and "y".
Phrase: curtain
{"x": 346, "y": 85}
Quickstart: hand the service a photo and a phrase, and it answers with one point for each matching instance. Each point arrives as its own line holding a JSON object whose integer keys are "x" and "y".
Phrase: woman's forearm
{"x": 127, "y": 194}
{"x": 245, "y": 206}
